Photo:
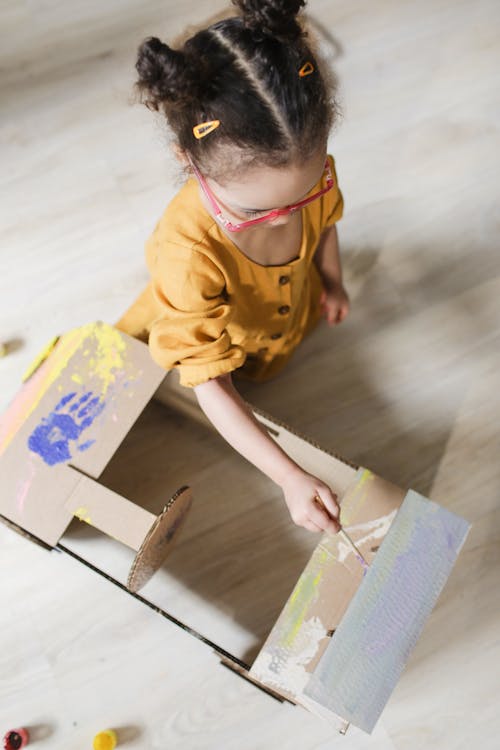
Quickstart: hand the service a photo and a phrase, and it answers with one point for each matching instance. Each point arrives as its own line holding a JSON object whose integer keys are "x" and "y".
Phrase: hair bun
{"x": 164, "y": 74}
{"x": 276, "y": 18}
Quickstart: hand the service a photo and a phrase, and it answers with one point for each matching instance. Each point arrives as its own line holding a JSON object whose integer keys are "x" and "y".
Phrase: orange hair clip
{"x": 306, "y": 69}
{"x": 204, "y": 128}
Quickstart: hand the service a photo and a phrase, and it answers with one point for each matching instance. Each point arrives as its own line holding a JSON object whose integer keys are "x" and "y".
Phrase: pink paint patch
{"x": 24, "y": 487}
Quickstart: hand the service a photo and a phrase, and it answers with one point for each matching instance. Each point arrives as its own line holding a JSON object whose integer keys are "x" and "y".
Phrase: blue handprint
{"x": 53, "y": 438}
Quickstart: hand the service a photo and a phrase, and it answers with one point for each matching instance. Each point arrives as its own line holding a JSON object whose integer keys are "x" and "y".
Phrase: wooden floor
{"x": 408, "y": 386}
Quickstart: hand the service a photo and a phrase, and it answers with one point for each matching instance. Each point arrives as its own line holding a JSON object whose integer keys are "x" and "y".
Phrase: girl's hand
{"x": 311, "y": 502}
{"x": 334, "y": 304}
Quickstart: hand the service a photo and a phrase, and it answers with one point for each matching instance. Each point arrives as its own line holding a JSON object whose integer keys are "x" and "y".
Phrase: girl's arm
{"x": 334, "y": 299}
{"x": 228, "y": 412}
{"x": 327, "y": 257}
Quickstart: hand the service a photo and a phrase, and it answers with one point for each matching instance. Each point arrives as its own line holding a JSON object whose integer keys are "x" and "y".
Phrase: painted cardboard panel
{"x": 33, "y": 494}
{"x": 74, "y": 410}
{"x": 367, "y": 654}
{"x": 329, "y": 581}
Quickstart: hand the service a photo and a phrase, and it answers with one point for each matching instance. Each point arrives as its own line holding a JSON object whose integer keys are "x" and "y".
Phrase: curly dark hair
{"x": 244, "y": 72}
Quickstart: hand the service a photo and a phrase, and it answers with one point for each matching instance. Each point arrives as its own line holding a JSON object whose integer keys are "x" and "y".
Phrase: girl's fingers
{"x": 326, "y": 498}
{"x": 321, "y": 518}
{"x": 311, "y": 526}
{"x": 342, "y": 313}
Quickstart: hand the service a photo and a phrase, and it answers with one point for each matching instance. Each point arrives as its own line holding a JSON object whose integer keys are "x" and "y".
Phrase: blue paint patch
{"x": 57, "y": 435}
{"x": 361, "y": 665}
{"x": 85, "y": 446}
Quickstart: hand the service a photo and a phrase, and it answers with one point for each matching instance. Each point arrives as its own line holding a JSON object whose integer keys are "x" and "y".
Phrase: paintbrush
{"x": 347, "y": 538}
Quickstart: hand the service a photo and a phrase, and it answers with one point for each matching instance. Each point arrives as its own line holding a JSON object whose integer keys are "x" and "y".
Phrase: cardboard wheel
{"x": 159, "y": 540}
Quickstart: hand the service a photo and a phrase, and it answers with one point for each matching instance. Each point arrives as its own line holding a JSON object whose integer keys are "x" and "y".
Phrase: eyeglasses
{"x": 267, "y": 217}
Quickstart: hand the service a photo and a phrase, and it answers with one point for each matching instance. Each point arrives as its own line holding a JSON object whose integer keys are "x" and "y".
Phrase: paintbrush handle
{"x": 347, "y": 538}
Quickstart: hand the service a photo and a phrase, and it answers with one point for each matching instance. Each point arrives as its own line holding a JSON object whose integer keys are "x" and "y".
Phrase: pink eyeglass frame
{"x": 269, "y": 216}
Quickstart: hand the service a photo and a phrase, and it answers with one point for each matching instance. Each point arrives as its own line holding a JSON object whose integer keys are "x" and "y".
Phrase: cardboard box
{"x": 345, "y": 633}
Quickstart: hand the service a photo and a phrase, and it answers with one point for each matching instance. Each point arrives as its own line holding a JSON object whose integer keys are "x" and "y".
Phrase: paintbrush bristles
{"x": 347, "y": 538}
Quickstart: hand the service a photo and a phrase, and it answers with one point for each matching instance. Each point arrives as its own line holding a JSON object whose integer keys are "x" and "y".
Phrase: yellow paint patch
{"x": 109, "y": 360}
{"x": 82, "y": 514}
{"x": 301, "y": 598}
{"x": 355, "y": 497}
{"x": 40, "y": 357}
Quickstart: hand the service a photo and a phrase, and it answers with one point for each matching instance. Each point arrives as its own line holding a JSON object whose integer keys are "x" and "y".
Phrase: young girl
{"x": 244, "y": 260}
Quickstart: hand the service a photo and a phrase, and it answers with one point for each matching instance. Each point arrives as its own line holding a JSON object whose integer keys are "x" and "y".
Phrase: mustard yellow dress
{"x": 209, "y": 309}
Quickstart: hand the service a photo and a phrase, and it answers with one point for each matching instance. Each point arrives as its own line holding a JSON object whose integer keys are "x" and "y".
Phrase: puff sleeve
{"x": 190, "y": 331}
{"x": 333, "y": 200}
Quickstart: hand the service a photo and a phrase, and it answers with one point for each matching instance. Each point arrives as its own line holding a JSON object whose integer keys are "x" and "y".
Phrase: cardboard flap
{"x": 75, "y": 409}
{"x": 334, "y": 470}
{"x": 366, "y": 655}
{"x": 109, "y": 512}
{"x": 325, "y": 588}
